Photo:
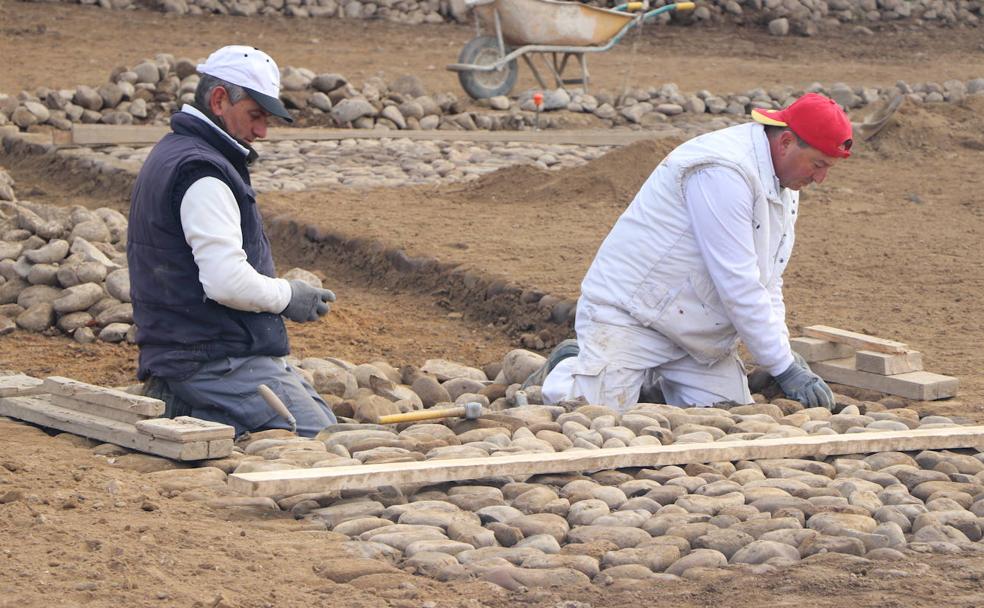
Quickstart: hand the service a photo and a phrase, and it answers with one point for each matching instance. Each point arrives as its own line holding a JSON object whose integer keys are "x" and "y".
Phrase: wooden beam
{"x": 95, "y": 135}
{"x": 16, "y": 385}
{"x": 888, "y": 365}
{"x": 108, "y": 397}
{"x": 40, "y": 410}
{"x": 76, "y": 405}
{"x": 921, "y": 386}
{"x": 286, "y": 483}
{"x": 859, "y": 341}
{"x": 815, "y": 349}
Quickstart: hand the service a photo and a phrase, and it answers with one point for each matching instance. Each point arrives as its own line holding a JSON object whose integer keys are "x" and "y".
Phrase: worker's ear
{"x": 787, "y": 139}
{"x": 216, "y": 100}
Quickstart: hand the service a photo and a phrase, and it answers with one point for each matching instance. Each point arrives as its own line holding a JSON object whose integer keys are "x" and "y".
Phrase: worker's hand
{"x": 806, "y": 387}
{"x": 307, "y": 303}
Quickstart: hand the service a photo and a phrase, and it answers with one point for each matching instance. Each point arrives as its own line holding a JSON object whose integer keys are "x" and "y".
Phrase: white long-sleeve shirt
{"x": 719, "y": 202}
{"x": 211, "y": 223}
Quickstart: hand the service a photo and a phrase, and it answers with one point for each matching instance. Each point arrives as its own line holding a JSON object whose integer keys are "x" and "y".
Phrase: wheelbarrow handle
{"x": 640, "y": 6}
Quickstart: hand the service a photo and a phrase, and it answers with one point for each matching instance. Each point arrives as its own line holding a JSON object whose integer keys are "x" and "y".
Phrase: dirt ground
{"x": 888, "y": 245}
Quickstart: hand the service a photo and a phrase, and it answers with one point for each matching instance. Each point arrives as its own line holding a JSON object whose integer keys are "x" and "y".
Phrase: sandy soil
{"x": 889, "y": 245}
{"x": 63, "y": 46}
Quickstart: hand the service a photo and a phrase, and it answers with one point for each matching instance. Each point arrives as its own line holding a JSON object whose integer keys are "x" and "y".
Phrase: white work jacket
{"x": 651, "y": 265}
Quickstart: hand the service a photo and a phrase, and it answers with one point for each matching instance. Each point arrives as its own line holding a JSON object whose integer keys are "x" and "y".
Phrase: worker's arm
{"x": 211, "y": 222}
{"x": 779, "y": 304}
{"x": 720, "y": 202}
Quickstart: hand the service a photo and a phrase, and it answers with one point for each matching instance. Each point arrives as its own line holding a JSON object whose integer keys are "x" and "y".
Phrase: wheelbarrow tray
{"x": 552, "y": 22}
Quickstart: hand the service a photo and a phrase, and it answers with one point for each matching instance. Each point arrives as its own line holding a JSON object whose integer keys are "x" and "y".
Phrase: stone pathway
{"x": 388, "y": 162}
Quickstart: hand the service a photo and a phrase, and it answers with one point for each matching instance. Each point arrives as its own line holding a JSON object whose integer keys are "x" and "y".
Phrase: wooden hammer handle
{"x": 421, "y": 415}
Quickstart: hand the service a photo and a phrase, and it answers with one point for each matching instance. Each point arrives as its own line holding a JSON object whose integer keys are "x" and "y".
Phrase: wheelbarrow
{"x": 557, "y": 31}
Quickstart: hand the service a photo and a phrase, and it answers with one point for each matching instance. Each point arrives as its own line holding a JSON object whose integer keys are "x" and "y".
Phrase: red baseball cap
{"x": 817, "y": 120}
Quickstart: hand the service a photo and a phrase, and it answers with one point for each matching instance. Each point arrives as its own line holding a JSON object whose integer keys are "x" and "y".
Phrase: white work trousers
{"x": 615, "y": 360}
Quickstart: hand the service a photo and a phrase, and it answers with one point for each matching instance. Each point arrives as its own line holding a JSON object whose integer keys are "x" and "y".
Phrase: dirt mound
{"x": 614, "y": 177}
{"x": 932, "y": 129}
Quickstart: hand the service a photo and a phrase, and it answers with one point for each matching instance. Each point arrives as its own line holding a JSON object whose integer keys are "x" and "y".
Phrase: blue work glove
{"x": 802, "y": 385}
{"x": 307, "y": 302}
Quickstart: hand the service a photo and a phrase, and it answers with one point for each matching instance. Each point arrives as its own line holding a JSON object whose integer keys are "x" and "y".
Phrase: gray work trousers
{"x": 224, "y": 390}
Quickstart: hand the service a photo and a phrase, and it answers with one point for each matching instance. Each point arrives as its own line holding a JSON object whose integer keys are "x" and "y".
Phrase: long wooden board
{"x": 94, "y": 135}
{"x": 859, "y": 341}
{"x": 286, "y": 483}
{"x": 921, "y": 386}
{"x": 15, "y": 385}
{"x": 107, "y": 397}
{"x": 40, "y": 410}
{"x": 77, "y": 405}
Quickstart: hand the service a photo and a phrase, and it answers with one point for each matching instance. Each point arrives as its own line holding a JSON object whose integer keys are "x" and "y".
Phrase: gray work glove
{"x": 798, "y": 358}
{"x": 307, "y": 303}
{"x": 802, "y": 385}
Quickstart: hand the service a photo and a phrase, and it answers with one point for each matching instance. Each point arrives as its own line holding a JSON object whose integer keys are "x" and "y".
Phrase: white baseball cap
{"x": 253, "y": 70}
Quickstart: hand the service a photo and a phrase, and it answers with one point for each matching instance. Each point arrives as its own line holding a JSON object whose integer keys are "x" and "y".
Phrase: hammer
{"x": 469, "y": 411}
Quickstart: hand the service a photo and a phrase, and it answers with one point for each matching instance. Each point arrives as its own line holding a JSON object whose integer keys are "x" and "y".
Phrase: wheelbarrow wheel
{"x": 484, "y": 50}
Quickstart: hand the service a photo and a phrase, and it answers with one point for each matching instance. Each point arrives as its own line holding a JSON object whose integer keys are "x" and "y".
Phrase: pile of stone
{"x": 64, "y": 271}
{"x": 152, "y": 90}
{"x": 643, "y": 524}
{"x": 410, "y": 12}
{"x": 6, "y": 186}
{"x": 782, "y": 17}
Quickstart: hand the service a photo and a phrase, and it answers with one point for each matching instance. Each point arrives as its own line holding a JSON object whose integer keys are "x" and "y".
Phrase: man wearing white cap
{"x": 695, "y": 263}
{"x": 206, "y": 300}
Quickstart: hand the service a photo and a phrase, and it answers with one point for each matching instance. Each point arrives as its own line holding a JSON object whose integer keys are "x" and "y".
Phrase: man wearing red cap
{"x": 206, "y": 299}
{"x": 695, "y": 263}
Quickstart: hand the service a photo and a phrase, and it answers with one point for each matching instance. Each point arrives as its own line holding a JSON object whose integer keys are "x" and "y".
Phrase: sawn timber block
{"x": 858, "y": 341}
{"x": 108, "y": 397}
{"x": 886, "y": 364}
{"x": 220, "y": 448}
{"x": 41, "y": 411}
{"x": 426, "y": 472}
{"x": 17, "y": 385}
{"x": 920, "y": 386}
{"x": 815, "y": 349}
{"x": 184, "y": 429}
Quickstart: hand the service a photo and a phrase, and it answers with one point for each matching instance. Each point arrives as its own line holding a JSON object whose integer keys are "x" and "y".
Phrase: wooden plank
{"x": 888, "y": 365}
{"x": 859, "y": 341}
{"x": 76, "y": 405}
{"x": 95, "y": 135}
{"x": 16, "y": 385}
{"x": 40, "y": 410}
{"x": 286, "y": 483}
{"x": 815, "y": 349}
{"x": 921, "y": 386}
{"x": 41, "y": 137}
{"x": 184, "y": 429}
{"x": 108, "y": 397}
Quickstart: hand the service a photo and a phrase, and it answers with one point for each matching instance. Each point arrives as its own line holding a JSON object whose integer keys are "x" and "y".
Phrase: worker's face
{"x": 798, "y": 164}
{"x": 245, "y": 119}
